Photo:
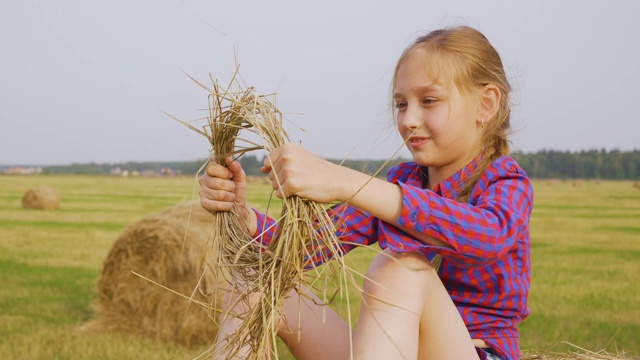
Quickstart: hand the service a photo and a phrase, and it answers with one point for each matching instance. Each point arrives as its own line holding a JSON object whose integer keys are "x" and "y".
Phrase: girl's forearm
{"x": 379, "y": 198}
{"x": 248, "y": 219}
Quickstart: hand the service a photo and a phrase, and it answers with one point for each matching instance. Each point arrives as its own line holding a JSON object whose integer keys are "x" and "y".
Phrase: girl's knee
{"x": 399, "y": 277}
{"x": 390, "y": 264}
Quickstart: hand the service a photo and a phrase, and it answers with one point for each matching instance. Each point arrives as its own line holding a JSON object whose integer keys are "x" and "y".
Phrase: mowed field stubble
{"x": 585, "y": 287}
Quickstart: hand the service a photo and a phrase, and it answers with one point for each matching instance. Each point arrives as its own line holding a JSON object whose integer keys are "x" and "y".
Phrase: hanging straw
{"x": 306, "y": 234}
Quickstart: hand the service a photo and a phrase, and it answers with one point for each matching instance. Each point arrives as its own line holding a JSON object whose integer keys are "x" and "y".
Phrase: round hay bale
{"x": 156, "y": 247}
{"x": 41, "y": 198}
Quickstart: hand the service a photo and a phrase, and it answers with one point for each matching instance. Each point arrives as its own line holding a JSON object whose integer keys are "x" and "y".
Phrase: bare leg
{"x": 312, "y": 339}
{"x": 407, "y": 313}
{"x": 318, "y": 339}
{"x": 230, "y": 322}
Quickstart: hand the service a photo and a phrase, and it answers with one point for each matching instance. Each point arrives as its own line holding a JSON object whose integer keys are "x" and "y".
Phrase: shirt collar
{"x": 452, "y": 186}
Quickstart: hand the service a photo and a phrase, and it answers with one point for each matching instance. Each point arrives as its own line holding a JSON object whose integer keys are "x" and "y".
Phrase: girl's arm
{"x": 495, "y": 220}
{"x": 381, "y": 199}
{"x": 294, "y": 171}
{"x": 467, "y": 233}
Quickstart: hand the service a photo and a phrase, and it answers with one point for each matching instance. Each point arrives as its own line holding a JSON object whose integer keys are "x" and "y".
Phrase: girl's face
{"x": 439, "y": 125}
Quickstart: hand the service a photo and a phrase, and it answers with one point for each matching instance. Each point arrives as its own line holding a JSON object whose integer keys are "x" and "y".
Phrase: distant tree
{"x": 585, "y": 164}
{"x": 251, "y": 164}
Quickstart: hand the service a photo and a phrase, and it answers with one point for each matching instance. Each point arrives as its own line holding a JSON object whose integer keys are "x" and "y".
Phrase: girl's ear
{"x": 489, "y": 103}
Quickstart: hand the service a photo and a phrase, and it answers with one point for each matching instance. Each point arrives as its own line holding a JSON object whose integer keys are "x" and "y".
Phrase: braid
{"x": 499, "y": 146}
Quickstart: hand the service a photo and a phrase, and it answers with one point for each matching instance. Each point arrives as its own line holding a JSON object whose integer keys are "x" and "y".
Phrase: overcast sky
{"x": 84, "y": 81}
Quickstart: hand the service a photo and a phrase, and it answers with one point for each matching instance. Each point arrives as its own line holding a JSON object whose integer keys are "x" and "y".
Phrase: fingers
{"x": 274, "y": 172}
{"x": 269, "y": 161}
{"x": 215, "y": 170}
{"x": 237, "y": 173}
{"x": 217, "y": 194}
{"x": 233, "y": 171}
{"x": 280, "y": 166}
{"x": 217, "y": 189}
{"x": 280, "y": 156}
{"x": 214, "y": 206}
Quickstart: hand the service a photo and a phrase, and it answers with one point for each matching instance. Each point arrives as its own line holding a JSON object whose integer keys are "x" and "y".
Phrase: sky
{"x": 88, "y": 81}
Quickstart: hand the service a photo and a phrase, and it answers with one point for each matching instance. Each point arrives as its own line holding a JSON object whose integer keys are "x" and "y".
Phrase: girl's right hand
{"x": 225, "y": 189}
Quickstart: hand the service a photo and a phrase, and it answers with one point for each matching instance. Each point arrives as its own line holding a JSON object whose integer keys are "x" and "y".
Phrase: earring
{"x": 482, "y": 122}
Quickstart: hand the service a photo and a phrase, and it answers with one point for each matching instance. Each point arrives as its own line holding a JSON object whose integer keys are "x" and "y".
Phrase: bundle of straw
{"x": 306, "y": 235}
{"x": 306, "y": 232}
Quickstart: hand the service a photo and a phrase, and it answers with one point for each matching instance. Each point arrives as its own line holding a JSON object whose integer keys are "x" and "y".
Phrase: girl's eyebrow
{"x": 420, "y": 89}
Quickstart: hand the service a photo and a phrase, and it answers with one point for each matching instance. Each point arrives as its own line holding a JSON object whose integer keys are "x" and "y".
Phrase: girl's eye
{"x": 429, "y": 101}
{"x": 401, "y": 105}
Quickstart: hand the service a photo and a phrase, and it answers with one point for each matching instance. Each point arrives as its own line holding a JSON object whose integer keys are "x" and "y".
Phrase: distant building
{"x": 116, "y": 171}
{"x": 22, "y": 170}
{"x": 166, "y": 171}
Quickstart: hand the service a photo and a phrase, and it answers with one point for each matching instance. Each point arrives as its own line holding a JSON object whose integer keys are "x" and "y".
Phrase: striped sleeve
{"x": 477, "y": 232}
{"x": 266, "y": 228}
{"x": 354, "y": 228}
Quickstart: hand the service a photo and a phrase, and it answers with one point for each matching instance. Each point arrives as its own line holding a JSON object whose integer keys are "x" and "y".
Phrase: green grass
{"x": 586, "y": 257}
{"x": 585, "y": 253}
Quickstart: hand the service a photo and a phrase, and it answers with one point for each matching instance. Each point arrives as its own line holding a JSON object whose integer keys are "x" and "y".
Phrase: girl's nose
{"x": 412, "y": 118}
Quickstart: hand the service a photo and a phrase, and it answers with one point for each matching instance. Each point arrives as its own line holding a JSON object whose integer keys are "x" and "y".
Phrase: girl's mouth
{"x": 417, "y": 142}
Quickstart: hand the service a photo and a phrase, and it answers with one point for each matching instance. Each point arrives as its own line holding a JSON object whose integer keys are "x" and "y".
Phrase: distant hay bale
{"x": 41, "y": 198}
{"x": 156, "y": 248}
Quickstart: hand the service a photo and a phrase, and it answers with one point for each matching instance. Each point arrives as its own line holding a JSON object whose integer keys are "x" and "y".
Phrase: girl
{"x": 462, "y": 200}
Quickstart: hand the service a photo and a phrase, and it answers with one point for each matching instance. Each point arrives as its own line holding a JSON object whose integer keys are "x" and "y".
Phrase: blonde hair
{"x": 471, "y": 62}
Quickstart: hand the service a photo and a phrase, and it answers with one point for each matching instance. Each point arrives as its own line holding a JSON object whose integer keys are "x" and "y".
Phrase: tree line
{"x": 589, "y": 164}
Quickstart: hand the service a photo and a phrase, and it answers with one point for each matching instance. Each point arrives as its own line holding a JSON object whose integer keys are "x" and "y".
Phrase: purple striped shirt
{"x": 487, "y": 268}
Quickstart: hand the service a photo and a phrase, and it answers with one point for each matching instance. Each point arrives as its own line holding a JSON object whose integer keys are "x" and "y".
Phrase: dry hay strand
{"x": 166, "y": 249}
{"x": 41, "y": 198}
{"x": 575, "y": 356}
{"x": 305, "y": 234}
{"x": 236, "y": 252}
{"x": 579, "y": 354}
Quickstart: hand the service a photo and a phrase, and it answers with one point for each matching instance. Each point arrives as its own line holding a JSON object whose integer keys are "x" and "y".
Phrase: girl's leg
{"x": 406, "y": 313}
{"x": 303, "y": 330}
{"x": 322, "y": 333}
{"x": 229, "y": 324}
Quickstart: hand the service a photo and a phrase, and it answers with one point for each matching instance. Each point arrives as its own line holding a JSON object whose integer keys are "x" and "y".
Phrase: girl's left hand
{"x": 295, "y": 171}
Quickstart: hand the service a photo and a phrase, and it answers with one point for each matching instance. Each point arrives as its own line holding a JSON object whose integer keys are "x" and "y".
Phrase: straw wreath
{"x": 236, "y": 253}
{"x": 306, "y": 232}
